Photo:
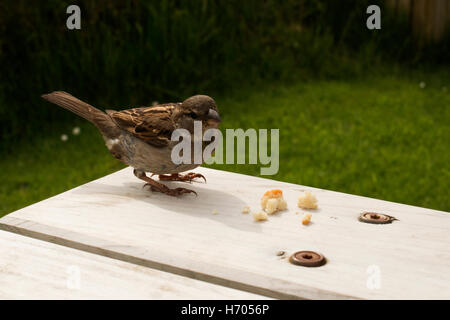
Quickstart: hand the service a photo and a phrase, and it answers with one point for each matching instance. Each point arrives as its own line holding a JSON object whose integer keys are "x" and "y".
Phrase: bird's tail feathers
{"x": 69, "y": 102}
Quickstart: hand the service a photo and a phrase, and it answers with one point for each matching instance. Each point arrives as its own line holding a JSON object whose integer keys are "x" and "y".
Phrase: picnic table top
{"x": 116, "y": 218}
{"x": 36, "y": 269}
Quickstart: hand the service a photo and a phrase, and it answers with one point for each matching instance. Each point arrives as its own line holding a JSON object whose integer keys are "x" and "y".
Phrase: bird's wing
{"x": 153, "y": 124}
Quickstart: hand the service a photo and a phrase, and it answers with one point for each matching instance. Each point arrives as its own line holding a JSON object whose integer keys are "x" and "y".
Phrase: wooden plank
{"x": 429, "y": 18}
{"x": 34, "y": 269}
{"x": 404, "y": 5}
{"x": 115, "y": 217}
{"x": 399, "y": 5}
{"x": 440, "y": 19}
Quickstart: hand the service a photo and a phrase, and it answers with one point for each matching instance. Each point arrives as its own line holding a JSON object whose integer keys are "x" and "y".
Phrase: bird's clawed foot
{"x": 188, "y": 177}
{"x": 166, "y": 190}
{"x": 159, "y": 187}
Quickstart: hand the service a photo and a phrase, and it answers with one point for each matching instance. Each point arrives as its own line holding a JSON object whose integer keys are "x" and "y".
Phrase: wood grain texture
{"x": 114, "y": 216}
{"x": 34, "y": 269}
{"x": 429, "y": 18}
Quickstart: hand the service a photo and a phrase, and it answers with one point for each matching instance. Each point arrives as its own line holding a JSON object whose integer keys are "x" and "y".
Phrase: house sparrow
{"x": 140, "y": 137}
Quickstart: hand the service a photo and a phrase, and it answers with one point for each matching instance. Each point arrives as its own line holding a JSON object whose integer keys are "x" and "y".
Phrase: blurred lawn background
{"x": 359, "y": 111}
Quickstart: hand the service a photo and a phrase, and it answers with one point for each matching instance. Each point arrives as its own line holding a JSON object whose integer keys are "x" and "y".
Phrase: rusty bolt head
{"x": 307, "y": 259}
{"x": 375, "y": 218}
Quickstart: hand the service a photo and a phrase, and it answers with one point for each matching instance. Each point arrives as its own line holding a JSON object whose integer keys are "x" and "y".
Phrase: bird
{"x": 141, "y": 137}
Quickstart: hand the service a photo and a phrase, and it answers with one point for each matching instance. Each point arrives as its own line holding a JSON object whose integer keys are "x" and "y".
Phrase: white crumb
{"x": 259, "y": 215}
{"x": 273, "y": 201}
{"x": 282, "y": 204}
{"x": 246, "y": 209}
{"x": 271, "y": 206}
{"x": 307, "y": 201}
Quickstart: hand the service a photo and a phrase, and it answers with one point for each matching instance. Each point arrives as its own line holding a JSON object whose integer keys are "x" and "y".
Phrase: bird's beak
{"x": 213, "y": 115}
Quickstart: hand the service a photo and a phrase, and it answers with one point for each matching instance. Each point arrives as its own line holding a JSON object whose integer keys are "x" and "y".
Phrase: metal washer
{"x": 307, "y": 259}
{"x": 375, "y": 218}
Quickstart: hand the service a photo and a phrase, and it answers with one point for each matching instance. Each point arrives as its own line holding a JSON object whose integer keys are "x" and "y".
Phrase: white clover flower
{"x": 422, "y": 85}
{"x": 76, "y": 131}
{"x": 64, "y": 137}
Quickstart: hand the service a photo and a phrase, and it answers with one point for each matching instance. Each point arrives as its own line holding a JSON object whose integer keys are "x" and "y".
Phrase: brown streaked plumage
{"x": 151, "y": 124}
{"x": 140, "y": 137}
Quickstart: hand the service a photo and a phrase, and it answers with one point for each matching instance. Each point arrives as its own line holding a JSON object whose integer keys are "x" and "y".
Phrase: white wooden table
{"x": 35, "y": 269}
{"x": 116, "y": 225}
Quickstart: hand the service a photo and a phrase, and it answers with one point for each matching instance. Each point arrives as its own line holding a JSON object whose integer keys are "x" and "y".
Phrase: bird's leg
{"x": 188, "y": 177}
{"x": 159, "y": 187}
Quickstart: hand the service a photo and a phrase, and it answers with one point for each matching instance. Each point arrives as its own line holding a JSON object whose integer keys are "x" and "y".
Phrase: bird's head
{"x": 198, "y": 108}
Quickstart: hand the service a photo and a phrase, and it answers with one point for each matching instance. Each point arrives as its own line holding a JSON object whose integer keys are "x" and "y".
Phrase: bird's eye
{"x": 193, "y": 115}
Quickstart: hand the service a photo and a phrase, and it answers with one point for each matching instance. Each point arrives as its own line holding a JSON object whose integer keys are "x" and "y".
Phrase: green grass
{"x": 132, "y": 52}
{"x": 384, "y": 138}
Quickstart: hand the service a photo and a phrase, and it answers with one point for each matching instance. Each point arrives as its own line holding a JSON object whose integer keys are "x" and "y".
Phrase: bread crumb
{"x": 273, "y": 201}
{"x": 215, "y": 211}
{"x": 259, "y": 215}
{"x": 271, "y": 206}
{"x": 271, "y": 194}
{"x": 306, "y": 218}
{"x": 307, "y": 201}
{"x": 246, "y": 209}
{"x": 282, "y": 204}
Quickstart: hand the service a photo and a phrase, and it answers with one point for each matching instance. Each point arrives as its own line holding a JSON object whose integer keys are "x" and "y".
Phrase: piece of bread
{"x": 307, "y": 201}
{"x": 259, "y": 215}
{"x": 272, "y": 201}
{"x": 246, "y": 209}
{"x": 282, "y": 204}
{"x": 271, "y": 194}
{"x": 306, "y": 218}
{"x": 271, "y": 206}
